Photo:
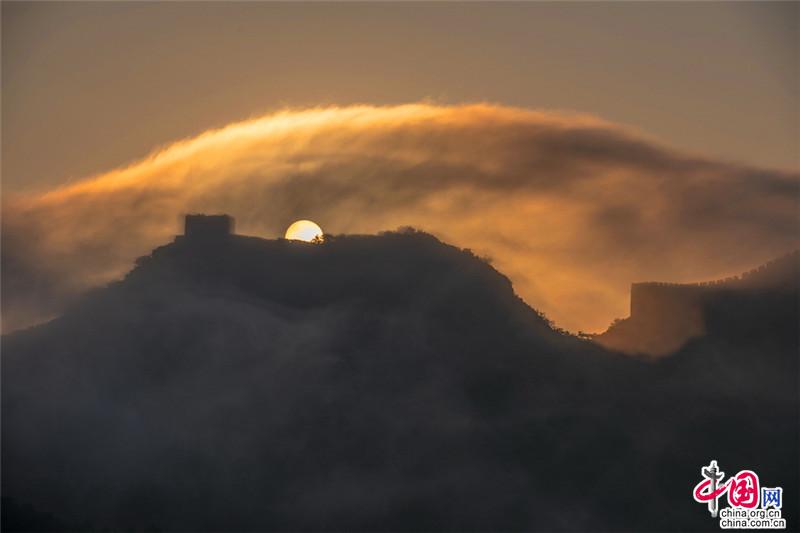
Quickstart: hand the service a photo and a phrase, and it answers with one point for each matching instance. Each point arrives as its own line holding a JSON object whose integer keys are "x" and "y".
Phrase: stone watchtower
{"x": 208, "y": 226}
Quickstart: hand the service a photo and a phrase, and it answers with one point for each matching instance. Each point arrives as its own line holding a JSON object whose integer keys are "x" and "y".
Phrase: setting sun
{"x": 303, "y": 230}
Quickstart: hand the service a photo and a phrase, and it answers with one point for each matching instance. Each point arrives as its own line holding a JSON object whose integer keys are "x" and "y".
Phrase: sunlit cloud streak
{"x": 572, "y": 208}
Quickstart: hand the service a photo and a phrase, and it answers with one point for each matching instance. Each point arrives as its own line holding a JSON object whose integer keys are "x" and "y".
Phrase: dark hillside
{"x": 375, "y": 383}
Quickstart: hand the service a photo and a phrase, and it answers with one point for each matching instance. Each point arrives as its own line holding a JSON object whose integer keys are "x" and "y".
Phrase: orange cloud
{"x": 570, "y": 207}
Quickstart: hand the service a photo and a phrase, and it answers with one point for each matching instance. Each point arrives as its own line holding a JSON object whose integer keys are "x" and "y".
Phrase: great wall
{"x": 663, "y": 316}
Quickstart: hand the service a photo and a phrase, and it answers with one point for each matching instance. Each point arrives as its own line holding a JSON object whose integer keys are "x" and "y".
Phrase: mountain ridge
{"x": 369, "y": 383}
{"x": 664, "y": 316}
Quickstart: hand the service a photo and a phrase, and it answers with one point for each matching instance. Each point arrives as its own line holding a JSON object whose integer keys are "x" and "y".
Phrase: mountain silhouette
{"x": 664, "y": 316}
{"x": 373, "y": 383}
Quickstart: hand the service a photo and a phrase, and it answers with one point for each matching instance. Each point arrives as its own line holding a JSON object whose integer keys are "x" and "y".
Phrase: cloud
{"x": 572, "y": 208}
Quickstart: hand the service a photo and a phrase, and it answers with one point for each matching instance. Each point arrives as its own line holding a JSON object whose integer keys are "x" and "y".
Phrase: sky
{"x": 582, "y": 146}
{"x": 96, "y": 85}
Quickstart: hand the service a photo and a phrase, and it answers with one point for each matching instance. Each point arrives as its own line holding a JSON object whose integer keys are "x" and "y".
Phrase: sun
{"x": 303, "y": 230}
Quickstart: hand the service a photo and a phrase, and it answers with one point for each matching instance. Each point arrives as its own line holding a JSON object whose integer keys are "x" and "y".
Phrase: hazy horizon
{"x": 572, "y": 208}
{"x": 617, "y": 142}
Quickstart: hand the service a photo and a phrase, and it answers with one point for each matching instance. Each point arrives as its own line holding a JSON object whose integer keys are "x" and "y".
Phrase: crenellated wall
{"x": 663, "y": 316}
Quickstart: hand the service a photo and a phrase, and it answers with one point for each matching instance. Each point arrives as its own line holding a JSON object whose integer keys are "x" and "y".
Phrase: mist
{"x": 571, "y": 207}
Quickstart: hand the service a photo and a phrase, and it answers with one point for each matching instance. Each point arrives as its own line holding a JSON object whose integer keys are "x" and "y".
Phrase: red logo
{"x": 742, "y": 489}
